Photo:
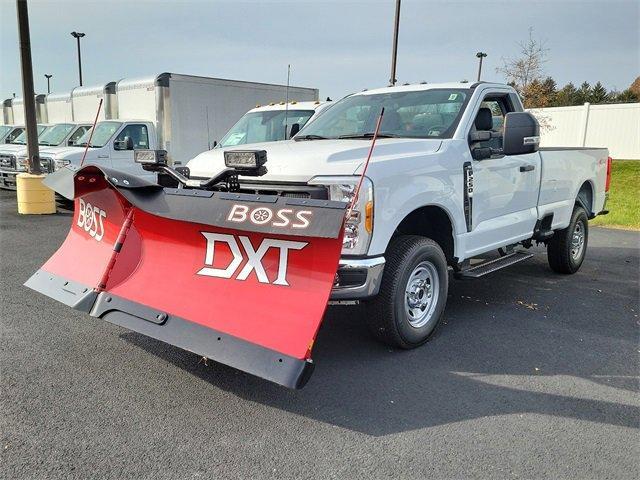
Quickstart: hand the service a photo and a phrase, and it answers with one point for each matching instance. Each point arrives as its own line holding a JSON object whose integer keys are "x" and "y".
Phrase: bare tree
{"x": 528, "y": 66}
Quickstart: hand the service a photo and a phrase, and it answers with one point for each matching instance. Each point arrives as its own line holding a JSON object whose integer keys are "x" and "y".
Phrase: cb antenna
{"x": 286, "y": 105}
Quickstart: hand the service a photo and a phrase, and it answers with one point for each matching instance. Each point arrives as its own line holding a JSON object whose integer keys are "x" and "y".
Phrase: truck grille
{"x": 8, "y": 162}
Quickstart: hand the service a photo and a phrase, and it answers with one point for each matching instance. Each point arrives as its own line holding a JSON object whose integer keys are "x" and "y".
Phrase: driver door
{"x": 122, "y": 159}
{"x": 505, "y": 187}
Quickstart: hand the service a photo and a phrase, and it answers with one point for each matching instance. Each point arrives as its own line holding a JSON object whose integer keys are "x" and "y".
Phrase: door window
{"x": 138, "y": 135}
{"x": 75, "y": 136}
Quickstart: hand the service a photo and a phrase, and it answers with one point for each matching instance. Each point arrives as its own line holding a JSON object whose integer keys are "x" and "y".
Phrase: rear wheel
{"x": 413, "y": 292}
{"x": 567, "y": 247}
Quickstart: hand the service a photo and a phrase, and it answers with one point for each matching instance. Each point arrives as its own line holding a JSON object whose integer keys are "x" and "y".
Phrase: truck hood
{"x": 67, "y": 153}
{"x": 299, "y": 161}
{"x": 12, "y": 148}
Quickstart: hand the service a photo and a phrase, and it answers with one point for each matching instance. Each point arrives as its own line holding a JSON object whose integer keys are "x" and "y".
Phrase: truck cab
{"x": 111, "y": 144}
{"x": 13, "y": 157}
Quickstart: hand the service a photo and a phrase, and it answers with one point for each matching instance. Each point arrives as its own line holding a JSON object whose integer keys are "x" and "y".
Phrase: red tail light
{"x": 608, "y": 183}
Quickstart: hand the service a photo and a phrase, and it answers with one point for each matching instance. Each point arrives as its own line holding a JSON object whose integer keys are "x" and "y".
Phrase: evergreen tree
{"x": 598, "y": 94}
{"x": 583, "y": 95}
{"x": 566, "y": 96}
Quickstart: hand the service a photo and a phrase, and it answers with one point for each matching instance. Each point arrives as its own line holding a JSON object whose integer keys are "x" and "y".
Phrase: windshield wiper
{"x": 369, "y": 135}
{"x": 310, "y": 137}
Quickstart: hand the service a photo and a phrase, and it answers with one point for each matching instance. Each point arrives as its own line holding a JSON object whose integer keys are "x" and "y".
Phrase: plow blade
{"x": 241, "y": 279}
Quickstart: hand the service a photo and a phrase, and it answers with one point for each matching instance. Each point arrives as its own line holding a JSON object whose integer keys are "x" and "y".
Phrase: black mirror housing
{"x": 125, "y": 144}
{"x": 521, "y": 133}
{"x": 295, "y": 128}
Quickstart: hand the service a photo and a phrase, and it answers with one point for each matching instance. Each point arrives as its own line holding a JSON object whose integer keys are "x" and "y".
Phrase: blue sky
{"x": 336, "y": 46}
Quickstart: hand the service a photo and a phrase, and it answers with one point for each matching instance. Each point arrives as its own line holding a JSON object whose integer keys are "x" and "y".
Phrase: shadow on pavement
{"x": 522, "y": 327}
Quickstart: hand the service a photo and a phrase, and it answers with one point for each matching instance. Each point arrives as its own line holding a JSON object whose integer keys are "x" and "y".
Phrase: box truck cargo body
{"x": 85, "y": 101}
{"x": 59, "y": 108}
{"x": 15, "y": 110}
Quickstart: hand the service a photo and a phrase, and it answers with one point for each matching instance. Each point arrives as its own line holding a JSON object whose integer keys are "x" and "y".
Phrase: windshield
{"x": 103, "y": 132}
{"x": 267, "y": 126}
{"x": 414, "y": 114}
{"x": 22, "y": 138}
{"x": 56, "y": 134}
{"x": 4, "y": 130}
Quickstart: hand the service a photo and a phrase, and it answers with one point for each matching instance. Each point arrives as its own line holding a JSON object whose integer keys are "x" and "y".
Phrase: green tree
{"x": 583, "y": 95}
{"x": 566, "y": 96}
{"x": 599, "y": 94}
{"x": 628, "y": 96}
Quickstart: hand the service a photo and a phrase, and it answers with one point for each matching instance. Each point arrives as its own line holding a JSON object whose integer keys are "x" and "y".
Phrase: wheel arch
{"x": 434, "y": 222}
{"x": 585, "y": 197}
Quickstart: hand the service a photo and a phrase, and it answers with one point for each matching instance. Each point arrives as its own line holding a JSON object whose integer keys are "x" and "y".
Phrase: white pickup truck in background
{"x": 456, "y": 175}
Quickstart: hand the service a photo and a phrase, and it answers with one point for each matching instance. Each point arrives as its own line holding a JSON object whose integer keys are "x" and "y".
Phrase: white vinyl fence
{"x": 616, "y": 127}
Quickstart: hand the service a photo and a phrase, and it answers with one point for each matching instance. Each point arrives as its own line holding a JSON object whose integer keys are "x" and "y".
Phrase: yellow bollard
{"x": 34, "y": 198}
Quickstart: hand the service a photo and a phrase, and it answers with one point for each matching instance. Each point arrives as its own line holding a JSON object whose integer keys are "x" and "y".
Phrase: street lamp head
{"x": 481, "y": 54}
{"x": 48, "y": 76}
{"x": 77, "y": 34}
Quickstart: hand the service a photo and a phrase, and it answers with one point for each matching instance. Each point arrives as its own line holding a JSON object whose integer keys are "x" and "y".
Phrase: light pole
{"x": 48, "y": 77}
{"x": 394, "y": 54}
{"x": 27, "y": 87}
{"x": 78, "y": 36}
{"x": 480, "y": 55}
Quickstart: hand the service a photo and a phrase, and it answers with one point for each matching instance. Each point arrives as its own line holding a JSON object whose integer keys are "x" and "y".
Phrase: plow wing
{"x": 239, "y": 278}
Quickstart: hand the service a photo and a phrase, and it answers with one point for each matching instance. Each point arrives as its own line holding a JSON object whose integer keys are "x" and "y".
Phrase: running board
{"x": 491, "y": 266}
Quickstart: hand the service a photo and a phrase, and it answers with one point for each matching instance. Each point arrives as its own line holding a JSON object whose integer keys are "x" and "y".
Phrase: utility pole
{"x": 480, "y": 55}
{"x": 48, "y": 77}
{"x": 27, "y": 88}
{"x": 78, "y": 36}
{"x": 394, "y": 54}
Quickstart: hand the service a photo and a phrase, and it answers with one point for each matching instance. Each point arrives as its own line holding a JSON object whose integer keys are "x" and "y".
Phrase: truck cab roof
{"x": 292, "y": 105}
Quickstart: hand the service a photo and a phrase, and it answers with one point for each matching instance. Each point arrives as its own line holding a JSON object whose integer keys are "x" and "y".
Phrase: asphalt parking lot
{"x": 533, "y": 375}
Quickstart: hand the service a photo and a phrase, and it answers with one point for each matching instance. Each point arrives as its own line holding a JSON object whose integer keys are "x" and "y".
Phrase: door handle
{"x": 527, "y": 168}
{"x": 107, "y": 156}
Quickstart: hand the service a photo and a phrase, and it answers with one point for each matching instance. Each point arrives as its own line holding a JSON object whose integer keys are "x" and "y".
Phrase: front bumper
{"x": 358, "y": 279}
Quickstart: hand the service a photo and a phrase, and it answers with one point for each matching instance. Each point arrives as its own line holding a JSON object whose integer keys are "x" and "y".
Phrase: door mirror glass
{"x": 521, "y": 133}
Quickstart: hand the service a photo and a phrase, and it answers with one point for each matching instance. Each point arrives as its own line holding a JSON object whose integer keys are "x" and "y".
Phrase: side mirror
{"x": 125, "y": 144}
{"x": 295, "y": 128}
{"x": 215, "y": 144}
{"x": 521, "y": 133}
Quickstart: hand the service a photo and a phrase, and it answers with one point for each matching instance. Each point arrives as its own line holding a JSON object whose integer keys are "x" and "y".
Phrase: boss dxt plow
{"x": 242, "y": 279}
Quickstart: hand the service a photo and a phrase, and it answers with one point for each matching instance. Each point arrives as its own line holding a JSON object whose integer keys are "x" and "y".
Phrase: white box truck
{"x": 85, "y": 100}
{"x": 182, "y": 114}
{"x": 15, "y": 110}
{"x": 59, "y": 108}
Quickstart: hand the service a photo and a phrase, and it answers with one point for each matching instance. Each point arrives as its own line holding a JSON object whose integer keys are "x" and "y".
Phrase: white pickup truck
{"x": 456, "y": 174}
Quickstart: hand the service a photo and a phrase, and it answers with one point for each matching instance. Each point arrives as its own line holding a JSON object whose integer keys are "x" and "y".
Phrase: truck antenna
{"x": 366, "y": 165}
{"x": 93, "y": 127}
{"x": 208, "y": 131}
{"x": 286, "y": 105}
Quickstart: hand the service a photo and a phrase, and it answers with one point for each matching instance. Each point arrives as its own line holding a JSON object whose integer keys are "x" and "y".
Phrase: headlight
{"x": 359, "y": 228}
{"x": 22, "y": 164}
{"x": 58, "y": 164}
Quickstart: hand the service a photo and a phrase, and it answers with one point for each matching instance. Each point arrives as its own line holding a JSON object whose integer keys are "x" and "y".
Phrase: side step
{"x": 491, "y": 266}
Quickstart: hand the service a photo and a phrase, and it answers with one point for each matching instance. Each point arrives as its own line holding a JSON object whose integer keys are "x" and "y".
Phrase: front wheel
{"x": 413, "y": 292}
{"x": 567, "y": 247}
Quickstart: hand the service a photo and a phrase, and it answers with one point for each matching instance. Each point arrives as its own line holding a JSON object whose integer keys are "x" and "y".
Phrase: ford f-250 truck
{"x": 238, "y": 262}
{"x": 456, "y": 174}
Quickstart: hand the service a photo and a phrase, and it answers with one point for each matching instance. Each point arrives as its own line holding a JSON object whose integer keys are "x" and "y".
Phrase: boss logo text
{"x": 253, "y": 257}
{"x": 283, "y": 217}
{"x": 90, "y": 218}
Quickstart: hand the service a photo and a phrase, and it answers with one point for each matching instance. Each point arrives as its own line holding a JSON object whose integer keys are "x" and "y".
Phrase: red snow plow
{"x": 240, "y": 278}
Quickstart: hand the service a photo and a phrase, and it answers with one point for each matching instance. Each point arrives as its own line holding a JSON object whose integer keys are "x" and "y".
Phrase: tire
{"x": 566, "y": 252}
{"x": 412, "y": 264}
